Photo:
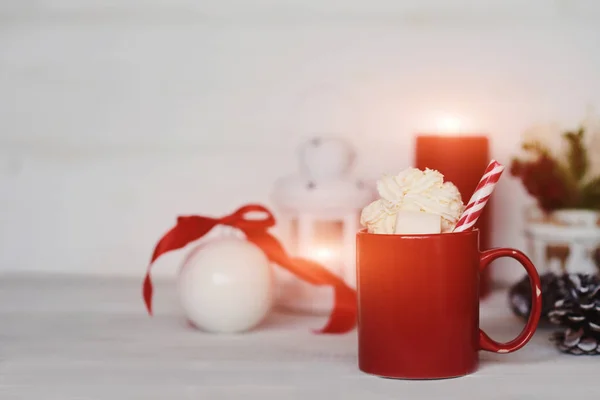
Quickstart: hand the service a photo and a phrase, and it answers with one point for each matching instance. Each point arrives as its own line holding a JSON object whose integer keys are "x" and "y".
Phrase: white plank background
{"x": 115, "y": 116}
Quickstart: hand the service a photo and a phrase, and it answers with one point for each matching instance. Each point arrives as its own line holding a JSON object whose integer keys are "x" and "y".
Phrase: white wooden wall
{"x": 118, "y": 115}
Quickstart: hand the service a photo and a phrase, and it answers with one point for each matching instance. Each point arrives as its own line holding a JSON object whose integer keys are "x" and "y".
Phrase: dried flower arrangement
{"x": 559, "y": 181}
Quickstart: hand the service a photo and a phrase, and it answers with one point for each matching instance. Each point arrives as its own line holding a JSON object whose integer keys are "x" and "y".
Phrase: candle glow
{"x": 449, "y": 124}
{"x": 323, "y": 254}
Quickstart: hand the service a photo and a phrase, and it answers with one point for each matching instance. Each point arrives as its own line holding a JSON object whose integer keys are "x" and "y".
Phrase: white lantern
{"x": 318, "y": 213}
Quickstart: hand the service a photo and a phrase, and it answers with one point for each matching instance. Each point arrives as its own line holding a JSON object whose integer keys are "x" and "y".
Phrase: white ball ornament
{"x": 226, "y": 286}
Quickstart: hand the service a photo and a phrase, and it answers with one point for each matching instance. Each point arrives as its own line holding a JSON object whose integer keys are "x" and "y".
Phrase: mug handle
{"x": 485, "y": 342}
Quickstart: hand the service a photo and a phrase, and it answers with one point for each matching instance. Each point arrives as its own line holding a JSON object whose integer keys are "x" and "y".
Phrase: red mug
{"x": 418, "y": 304}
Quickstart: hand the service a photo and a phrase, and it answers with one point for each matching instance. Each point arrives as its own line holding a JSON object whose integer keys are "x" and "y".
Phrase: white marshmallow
{"x": 417, "y": 223}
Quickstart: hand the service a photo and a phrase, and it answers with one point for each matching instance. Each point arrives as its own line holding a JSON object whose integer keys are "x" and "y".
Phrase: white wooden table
{"x": 89, "y": 338}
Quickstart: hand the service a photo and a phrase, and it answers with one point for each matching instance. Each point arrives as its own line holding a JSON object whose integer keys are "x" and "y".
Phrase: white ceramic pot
{"x": 566, "y": 242}
{"x": 577, "y": 217}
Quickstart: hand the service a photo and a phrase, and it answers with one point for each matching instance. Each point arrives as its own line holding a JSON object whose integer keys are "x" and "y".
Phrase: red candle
{"x": 462, "y": 160}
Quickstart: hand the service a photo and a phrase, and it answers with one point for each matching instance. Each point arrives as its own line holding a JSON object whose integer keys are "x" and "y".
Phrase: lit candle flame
{"x": 449, "y": 124}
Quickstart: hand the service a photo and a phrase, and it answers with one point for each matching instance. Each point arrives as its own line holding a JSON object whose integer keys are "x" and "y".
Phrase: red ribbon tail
{"x": 147, "y": 292}
{"x": 187, "y": 230}
{"x": 343, "y": 317}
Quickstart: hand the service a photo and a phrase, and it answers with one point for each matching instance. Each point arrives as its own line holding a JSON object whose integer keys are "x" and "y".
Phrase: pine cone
{"x": 576, "y": 342}
{"x": 520, "y": 296}
{"x": 578, "y": 310}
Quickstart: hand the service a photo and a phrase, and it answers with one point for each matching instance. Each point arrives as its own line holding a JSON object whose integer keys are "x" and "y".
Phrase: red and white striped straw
{"x": 480, "y": 197}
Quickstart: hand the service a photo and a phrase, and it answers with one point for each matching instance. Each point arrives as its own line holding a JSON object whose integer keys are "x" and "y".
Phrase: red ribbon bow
{"x": 191, "y": 228}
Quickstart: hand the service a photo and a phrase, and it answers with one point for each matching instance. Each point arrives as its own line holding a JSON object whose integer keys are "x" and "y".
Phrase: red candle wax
{"x": 462, "y": 160}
